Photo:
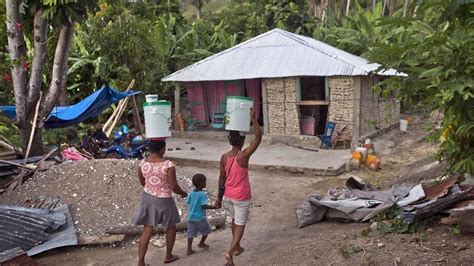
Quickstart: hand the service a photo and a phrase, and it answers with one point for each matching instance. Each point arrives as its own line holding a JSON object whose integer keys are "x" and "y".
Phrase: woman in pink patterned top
{"x": 158, "y": 178}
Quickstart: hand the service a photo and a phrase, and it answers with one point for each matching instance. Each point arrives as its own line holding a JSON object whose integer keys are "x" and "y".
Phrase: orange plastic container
{"x": 373, "y": 162}
{"x": 410, "y": 120}
{"x": 356, "y": 155}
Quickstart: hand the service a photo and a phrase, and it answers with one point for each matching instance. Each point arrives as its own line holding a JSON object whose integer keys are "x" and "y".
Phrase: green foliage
{"x": 436, "y": 50}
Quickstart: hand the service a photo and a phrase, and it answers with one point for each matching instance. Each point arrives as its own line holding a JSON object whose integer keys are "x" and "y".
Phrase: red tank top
{"x": 237, "y": 184}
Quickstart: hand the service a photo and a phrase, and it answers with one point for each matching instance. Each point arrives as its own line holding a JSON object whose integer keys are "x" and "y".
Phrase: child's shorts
{"x": 202, "y": 227}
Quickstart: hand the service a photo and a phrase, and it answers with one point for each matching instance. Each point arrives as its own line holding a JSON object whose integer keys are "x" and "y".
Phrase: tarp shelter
{"x": 291, "y": 78}
{"x": 89, "y": 107}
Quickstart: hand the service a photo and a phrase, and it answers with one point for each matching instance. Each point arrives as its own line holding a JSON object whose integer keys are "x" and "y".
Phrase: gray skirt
{"x": 154, "y": 211}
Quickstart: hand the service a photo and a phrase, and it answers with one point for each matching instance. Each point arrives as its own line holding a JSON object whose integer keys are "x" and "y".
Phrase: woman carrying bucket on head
{"x": 234, "y": 184}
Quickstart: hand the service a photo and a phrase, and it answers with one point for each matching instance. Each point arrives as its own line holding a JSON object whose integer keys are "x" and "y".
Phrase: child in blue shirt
{"x": 197, "y": 220}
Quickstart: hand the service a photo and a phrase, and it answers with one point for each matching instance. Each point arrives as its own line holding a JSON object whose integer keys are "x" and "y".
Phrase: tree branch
{"x": 39, "y": 58}
{"x": 17, "y": 51}
{"x": 59, "y": 66}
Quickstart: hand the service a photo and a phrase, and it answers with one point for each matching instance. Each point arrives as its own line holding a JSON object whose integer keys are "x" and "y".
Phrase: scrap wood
{"x": 16, "y": 256}
{"x": 98, "y": 240}
{"x": 40, "y": 202}
{"x": 439, "y": 190}
{"x": 26, "y": 166}
{"x": 428, "y": 209}
{"x": 136, "y": 230}
{"x": 464, "y": 217}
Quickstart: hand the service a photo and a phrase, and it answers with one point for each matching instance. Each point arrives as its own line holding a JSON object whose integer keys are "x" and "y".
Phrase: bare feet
{"x": 238, "y": 252}
{"x": 229, "y": 259}
{"x": 171, "y": 259}
{"x": 203, "y": 246}
{"x": 190, "y": 251}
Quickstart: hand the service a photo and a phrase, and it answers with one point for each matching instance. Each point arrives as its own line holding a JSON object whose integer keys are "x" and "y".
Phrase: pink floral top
{"x": 156, "y": 180}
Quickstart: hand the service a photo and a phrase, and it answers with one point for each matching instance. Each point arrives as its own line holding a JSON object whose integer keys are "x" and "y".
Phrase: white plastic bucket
{"x": 403, "y": 125}
{"x": 363, "y": 151}
{"x": 238, "y": 113}
{"x": 157, "y": 119}
{"x": 151, "y": 98}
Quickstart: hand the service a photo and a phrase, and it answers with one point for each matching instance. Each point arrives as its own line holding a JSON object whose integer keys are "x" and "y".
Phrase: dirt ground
{"x": 272, "y": 237}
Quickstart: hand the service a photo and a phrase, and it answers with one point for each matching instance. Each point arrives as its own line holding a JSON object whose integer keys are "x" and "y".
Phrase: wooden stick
{"x": 112, "y": 117}
{"x": 19, "y": 178}
{"x": 136, "y": 230}
{"x": 117, "y": 117}
{"x": 31, "y": 167}
{"x": 136, "y": 117}
{"x": 7, "y": 146}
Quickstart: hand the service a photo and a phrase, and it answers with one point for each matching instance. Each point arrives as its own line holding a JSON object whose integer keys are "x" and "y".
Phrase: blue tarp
{"x": 88, "y": 108}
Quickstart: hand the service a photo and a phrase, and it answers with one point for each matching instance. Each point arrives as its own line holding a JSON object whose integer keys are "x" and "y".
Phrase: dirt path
{"x": 273, "y": 238}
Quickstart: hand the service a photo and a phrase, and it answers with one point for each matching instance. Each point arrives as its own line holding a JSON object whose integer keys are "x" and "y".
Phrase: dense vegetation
{"x": 431, "y": 41}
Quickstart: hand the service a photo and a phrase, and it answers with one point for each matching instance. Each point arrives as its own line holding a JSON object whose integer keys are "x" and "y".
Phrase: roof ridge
{"x": 296, "y": 37}
{"x": 224, "y": 52}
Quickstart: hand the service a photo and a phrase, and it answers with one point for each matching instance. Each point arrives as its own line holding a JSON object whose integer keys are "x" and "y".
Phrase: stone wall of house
{"x": 341, "y": 101}
{"x": 376, "y": 112}
{"x": 283, "y": 112}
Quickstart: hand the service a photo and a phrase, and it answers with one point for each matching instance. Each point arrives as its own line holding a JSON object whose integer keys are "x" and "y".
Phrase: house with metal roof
{"x": 297, "y": 84}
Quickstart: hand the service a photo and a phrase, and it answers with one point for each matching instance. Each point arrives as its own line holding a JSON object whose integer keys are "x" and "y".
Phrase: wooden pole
{"x": 112, "y": 117}
{"x": 136, "y": 230}
{"x": 137, "y": 122}
{"x": 264, "y": 107}
{"x": 117, "y": 117}
{"x": 19, "y": 178}
{"x": 177, "y": 105}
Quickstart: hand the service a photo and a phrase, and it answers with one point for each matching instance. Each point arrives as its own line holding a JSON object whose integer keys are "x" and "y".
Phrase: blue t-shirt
{"x": 195, "y": 201}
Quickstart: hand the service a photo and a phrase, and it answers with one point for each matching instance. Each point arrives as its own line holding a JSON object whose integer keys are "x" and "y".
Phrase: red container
{"x": 308, "y": 126}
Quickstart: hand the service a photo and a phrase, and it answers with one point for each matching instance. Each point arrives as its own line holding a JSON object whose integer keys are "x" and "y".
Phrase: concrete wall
{"x": 283, "y": 112}
{"x": 341, "y": 101}
{"x": 376, "y": 112}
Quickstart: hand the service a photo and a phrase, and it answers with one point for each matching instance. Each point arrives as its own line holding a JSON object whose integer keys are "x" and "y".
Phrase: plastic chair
{"x": 326, "y": 139}
{"x": 218, "y": 120}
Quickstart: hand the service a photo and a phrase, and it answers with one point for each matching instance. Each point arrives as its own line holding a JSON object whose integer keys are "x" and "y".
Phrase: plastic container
{"x": 373, "y": 162}
{"x": 238, "y": 113}
{"x": 410, "y": 120}
{"x": 308, "y": 126}
{"x": 403, "y": 125}
{"x": 151, "y": 98}
{"x": 157, "y": 119}
{"x": 364, "y": 154}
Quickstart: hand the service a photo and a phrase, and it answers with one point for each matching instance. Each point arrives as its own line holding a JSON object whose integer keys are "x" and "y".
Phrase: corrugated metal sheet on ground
{"x": 278, "y": 53}
{"x": 35, "y": 230}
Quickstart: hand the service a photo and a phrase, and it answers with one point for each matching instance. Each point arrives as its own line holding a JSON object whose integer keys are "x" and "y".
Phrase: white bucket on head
{"x": 157, "y": 119}
{"x": 151, "y": 98}
{"x": 403, "y": 125}
{"x": 238, "y": 113}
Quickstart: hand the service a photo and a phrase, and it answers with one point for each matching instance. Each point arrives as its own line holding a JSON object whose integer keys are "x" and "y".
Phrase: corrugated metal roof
{"x": 35, "y": 230}
{"x": 278, "y": 53}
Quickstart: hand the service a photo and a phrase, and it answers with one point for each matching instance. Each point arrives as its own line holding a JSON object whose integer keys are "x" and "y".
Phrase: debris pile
{"x": 101, "y": 193}
{"x": 15, "y": 171}
{"x": 360, "y": 202}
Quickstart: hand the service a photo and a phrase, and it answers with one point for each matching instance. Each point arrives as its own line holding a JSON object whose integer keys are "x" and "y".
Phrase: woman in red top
{"x": 234, "y": 184}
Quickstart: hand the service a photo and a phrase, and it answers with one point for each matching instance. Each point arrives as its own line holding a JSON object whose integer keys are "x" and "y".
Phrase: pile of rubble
{"x": 360, "y": 202}
{"x": 100, "y": 193}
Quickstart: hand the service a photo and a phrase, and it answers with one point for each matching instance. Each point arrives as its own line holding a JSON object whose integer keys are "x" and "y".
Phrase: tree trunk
{"x": 36, "y": 144}
{"x": 391, "y": 7}
{"x": 39, "y": 58}
{"x": 58, "y": 77}
{"x": 17, "y": 52}
{"x": 405, "y": 8}
{"x": 348, "y": 6}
